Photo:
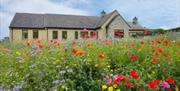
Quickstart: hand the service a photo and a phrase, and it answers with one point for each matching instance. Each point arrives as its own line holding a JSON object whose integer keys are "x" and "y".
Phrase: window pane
{"x": 91, "y": 34}
{"x": 76, "y": 35}
{"x": 55, "y": 34}
{"x": 35, "y": 34}
{"x": 24, "y": 34}
{"x": 84, "y": 34}
{"x": 64, "y": 34}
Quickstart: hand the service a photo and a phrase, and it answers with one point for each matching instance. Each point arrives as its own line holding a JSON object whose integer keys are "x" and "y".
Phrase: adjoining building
{"x": 28, "y": 26}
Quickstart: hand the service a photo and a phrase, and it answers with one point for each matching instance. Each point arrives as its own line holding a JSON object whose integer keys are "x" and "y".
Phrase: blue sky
{"x": 151, "y": 13}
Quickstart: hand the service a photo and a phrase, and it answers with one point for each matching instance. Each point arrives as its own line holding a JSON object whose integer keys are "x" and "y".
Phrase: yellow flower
{"x": 138, "y": 50}
{"x": 104, "y": 86}
{"x": 56, "y": 61}
{"x": 110, "y": 88}
{"x": 18, "y": 53}
{"x": 96, "y": 65}
{"x": 115, "y": 85}
{"x": 177, "y": 88}
{"x": 118, "y": 90}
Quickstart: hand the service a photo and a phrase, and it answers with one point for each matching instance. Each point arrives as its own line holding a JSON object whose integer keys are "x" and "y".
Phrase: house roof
{"x": 135, "y": 26}
{"x": 28, "y": 20}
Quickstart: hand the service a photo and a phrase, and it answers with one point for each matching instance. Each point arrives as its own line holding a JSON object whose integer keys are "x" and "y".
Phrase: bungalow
{"x": 28, "y": 26}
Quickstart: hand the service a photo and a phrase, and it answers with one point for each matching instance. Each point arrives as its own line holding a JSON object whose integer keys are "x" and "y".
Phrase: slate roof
{"x": 28, "y": 20}
{"x": 135, "y": 26}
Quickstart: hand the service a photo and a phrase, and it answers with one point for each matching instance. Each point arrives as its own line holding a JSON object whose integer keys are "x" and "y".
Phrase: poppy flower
{"x": 154, "y": 60}
{"x": 158, "y": 51}
{"x": 74, "y": 51}
{"x": 87, "y": 45}
{"x": 94, "y": 33}
{"x": 40, "y": 46}
{"x": 87, "y": 37}
{"x": 129, "y": 85}
{"x": 170, "y": 80}
{"x": 132, "y": 44}
{"x": 157, "y": 82}
{"x": 101, "y": 56}
{"x": 134, "y": 74}
{"x": 154, "y": 83}
{"x": 142, "y": 43}
{"x": 133, "y": 58}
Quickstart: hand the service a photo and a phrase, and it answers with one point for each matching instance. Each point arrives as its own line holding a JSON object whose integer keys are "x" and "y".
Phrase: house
{"x": 28, "y": 26}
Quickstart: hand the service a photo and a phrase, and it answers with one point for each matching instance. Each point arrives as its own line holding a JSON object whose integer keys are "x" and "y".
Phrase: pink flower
{"x": 109, "y": 81}
{"x": 118, "y": 77}
{"x": 165, "y": 84}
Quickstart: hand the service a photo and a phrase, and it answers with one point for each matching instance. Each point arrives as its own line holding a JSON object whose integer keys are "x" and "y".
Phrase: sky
{"x": 151, "y": 13}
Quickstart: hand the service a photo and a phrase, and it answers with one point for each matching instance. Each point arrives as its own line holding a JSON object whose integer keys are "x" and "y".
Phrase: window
{"x": 91, "y": 34}
{"x": 76, "y": 34}
{"x": 24, "y": 34}
{"x": 55, "y": 34}
{"x": 35, "y": 34}
{"x": 84, "y": 34}
{"x": 119, "y": 33}
{"x": 64, "y": 34}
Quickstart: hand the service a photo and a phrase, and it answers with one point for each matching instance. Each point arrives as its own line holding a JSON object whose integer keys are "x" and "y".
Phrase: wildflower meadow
{"x": 145, "y": 64}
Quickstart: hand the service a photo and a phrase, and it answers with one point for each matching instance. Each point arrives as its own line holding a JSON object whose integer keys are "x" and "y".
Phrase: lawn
{"x": 146, "y": 64}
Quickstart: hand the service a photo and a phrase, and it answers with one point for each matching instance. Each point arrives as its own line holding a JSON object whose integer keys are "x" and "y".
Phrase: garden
{"x": 146, "y": 64}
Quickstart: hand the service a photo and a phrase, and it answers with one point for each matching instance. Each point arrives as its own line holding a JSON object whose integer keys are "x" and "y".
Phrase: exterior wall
{"x": 116, "y": 23}
{"x": 47, "y": 34}
{"x": 16, "y": 35}
{"x": 101, "y": 33}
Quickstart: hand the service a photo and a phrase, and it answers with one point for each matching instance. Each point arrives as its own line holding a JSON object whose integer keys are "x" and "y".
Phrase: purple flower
{"x": 165, "y": 84}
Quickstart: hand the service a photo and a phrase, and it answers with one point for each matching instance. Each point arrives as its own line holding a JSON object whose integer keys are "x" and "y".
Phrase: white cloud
{"x": 10, "y": 7}
{"x": 151, "y": 13}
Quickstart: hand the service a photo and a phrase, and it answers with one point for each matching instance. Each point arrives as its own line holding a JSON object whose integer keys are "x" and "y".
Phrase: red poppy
{"x": 74, "y": 51}
{"x": 154, "y": 83}
{"x": 101, "y": 56}
{"x": 134, "y": 74}
{"x": 170, "y": 80}
{"x": 133, "y": 58}
{"x": 94, "y": 33}
{"x": 87, "y": 37}
{"x": 40, "y": 46}
{"x": 129, "y": 85}
{"x": 154, "y": 60}
{"x": 142, "y": 42}
{"x": 157, "y": 82}
{"x": 87, "y": 45}
{"x": 132, "y": 44}
{"x": 158, "y": 51}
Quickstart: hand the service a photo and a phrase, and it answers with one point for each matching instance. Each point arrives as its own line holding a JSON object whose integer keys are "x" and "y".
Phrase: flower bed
{"x": 126, "y": 65}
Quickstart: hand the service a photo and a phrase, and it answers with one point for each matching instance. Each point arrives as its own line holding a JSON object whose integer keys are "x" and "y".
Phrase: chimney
{"x": 135, "y": 20}
{"x": 103, "y": 13}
